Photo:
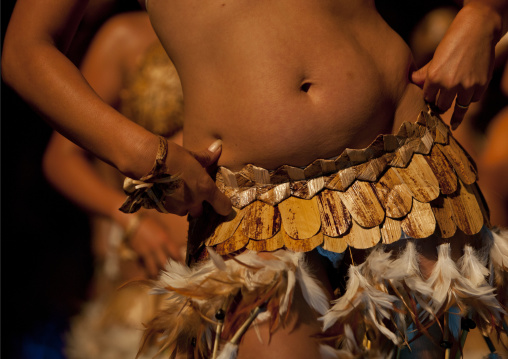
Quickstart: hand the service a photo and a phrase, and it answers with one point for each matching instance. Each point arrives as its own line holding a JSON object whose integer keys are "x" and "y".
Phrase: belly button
{"x": 305, "y": 87}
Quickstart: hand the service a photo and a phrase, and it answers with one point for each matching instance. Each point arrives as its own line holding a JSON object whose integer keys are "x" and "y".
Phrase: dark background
{"x": 45, "y": 254}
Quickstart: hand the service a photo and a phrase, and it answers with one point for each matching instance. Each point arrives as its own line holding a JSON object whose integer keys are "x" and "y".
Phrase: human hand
{"x": 462, "y": 65}
{"x": 151, "y": 241}
{"x": 197, "y": 185}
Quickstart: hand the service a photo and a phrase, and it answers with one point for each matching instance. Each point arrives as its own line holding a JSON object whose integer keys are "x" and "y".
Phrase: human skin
{"x": 278, "y": 82}
{"x": 242, "y": 65}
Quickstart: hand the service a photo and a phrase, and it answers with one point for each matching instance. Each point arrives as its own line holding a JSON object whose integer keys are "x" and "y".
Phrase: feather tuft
{"x": 362, "y": 300}
{"x": 313, "y": 293}
{"x": 217, "y": 260}
{"x": 230, "y": 351}
{"x": 291, "y": 280}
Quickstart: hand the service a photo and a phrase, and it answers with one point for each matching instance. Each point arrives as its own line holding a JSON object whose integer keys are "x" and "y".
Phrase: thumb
{"x": 418, "y": 77}
{"x": 209, "y": 156}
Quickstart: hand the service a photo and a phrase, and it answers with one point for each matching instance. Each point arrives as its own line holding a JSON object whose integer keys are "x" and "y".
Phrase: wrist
{"x": 154, "y": 188}
{"x": 140, "y": 160}
{"x": 491, "y": 14}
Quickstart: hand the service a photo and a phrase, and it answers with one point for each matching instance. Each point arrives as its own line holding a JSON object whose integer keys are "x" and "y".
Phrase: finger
{"x": 196, "y": 211}
{"x": 208, "y": 191}
{"x": 445, "y": 99}
{"x": 161, "y": 257}
{"x": 418, "y": 77}
{"x": 478, "y": 93}
{"x": 209, "y": 156}
{"x": 430, "y": 92}
{"x": 220, "y": 202}
{"x": 175, "y": 208}
{"x": 150, "y": 264}
{"x": 462, "y": 102}
{"x": 457, "y": 117}
{"x": 464, "y": 97}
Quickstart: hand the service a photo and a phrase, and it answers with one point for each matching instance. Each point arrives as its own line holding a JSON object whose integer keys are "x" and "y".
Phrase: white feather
{"x": 363, "y": 297}
{"x": 349, "y": 342}
{"x": 441, "y": 277}
{"x": 378, "y": 263}
{"x": 499, "y": 250}
{"x": 217, "y": 259}
{"x": 230, "y": 351}
{"x": 256, "y": 328}
{"x": 312, "y": 292}
{"x": 175, "y": 275}
{"x": 327, "y": 352}
{"x": 407, "y": 268}
{"x": 474, "y": 284}
{"x": 449, "y": 284}
{"x": 158, "y": 291}
{"x": 472, "y": 268}
{"x": 291, "y": 280}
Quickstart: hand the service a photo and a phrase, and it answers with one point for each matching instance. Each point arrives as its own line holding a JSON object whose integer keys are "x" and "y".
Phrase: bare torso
{"x": 287, "y": 81}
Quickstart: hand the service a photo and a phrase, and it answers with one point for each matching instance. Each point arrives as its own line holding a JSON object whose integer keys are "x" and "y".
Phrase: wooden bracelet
{"x": 151, "y": 190}
{"x": 160, "y": 159}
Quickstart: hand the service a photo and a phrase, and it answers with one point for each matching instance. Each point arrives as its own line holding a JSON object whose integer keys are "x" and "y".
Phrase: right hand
{"x": 462, "y": 65}
{"x": 198, "y": 186}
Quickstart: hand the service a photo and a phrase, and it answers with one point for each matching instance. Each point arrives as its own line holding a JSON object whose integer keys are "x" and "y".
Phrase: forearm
{"x": 33, "y": 64}
{"x": 68, "y": 168}
{"x": 68, "y": 103}
{"x": 496, "y": 11}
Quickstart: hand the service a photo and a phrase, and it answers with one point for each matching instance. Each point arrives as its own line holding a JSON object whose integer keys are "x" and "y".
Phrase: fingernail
{"x": 215, "y": 146}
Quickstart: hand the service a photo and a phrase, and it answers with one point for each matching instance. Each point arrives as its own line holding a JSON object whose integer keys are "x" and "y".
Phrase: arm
{"x": 34, "y": 65}
{"x": 112, "y": 55}
{"x": 462, "y": 65}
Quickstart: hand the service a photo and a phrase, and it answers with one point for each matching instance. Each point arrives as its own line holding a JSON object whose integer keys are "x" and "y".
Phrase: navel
{"x": 305, "y": 86}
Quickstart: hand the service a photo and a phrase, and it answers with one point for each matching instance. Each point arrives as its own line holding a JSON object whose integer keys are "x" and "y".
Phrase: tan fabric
{"x": 419, "y": 181}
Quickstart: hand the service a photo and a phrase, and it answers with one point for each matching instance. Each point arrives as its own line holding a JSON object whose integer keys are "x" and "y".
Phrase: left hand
{"x": 154, "y": 245}
{"x": 462, "y": 65}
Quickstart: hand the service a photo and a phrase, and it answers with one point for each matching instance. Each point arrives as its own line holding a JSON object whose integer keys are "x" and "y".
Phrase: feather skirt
{"x": 384, "y": 296}
{"x": 236, "y": 287}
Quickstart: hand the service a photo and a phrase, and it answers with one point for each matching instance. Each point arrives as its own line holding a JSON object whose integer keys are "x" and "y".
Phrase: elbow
{"x": 16, "y": 60}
